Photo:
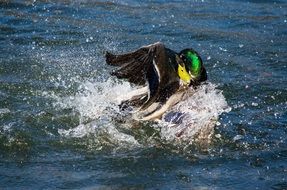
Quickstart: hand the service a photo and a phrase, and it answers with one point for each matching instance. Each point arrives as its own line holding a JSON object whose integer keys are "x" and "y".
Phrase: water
{"x": 60, "y": 126}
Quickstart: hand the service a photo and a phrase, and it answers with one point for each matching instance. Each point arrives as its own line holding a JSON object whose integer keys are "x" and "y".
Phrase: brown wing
{"x": 132, "y": 66}
{"x": 148, "y": 64}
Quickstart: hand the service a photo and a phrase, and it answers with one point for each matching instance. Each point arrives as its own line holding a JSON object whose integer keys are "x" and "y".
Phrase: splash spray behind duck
{"x": 165, "y": 74}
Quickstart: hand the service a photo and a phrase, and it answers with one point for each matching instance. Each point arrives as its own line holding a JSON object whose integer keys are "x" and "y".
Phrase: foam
{"x": 195, "y": 117}
{"x": 94, "y": 99}
{"x": 4, "y": 111}
{"x": 191, "y": 119}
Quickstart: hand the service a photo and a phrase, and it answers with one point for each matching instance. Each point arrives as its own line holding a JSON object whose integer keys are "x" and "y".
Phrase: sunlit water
{"x": 60, "y": 124}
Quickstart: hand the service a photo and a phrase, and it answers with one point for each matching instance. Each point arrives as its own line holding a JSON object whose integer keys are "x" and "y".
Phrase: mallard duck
{"x": 164, "y": 72}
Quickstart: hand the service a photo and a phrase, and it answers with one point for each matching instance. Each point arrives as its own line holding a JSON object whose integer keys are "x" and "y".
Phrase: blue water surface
{"x": 51, "y": 47}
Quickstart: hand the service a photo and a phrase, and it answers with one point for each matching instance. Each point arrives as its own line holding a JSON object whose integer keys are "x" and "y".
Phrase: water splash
{"x": 4, "y": 111}
{"x": 194, "y": 118}
{"x": 95, "y": 99}
{"x": 190, "y": 120}
{"x": 101, "y": 134}
{"x": 97, "y": 106}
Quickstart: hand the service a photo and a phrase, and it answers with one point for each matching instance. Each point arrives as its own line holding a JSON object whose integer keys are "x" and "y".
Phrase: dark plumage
{"x": 162, "y": 69}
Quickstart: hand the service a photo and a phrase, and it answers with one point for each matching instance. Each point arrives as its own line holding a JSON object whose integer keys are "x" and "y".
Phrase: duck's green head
{"x": 190, "y": 67}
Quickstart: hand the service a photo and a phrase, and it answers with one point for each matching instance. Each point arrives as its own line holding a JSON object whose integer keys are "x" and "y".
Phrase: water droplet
{"x": 276, "y": 115}
{"x": 218, "y": 136}
{"x": 222, "y": 49}
{"x": 237, "y": 137}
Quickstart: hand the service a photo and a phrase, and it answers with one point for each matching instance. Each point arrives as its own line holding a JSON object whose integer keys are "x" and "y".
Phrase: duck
{"x": 164, "y": 75}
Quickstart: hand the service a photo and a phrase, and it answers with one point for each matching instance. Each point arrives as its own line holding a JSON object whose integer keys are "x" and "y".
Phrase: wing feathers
{"x": 132, "y": 66}
{"x": 118, "y": 60}
{"x": 148, "y": 64}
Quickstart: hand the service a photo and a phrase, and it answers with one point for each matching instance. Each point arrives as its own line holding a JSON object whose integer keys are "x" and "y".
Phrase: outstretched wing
{"x": 133, "y": 66}
{"x": 147, "y": 65}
